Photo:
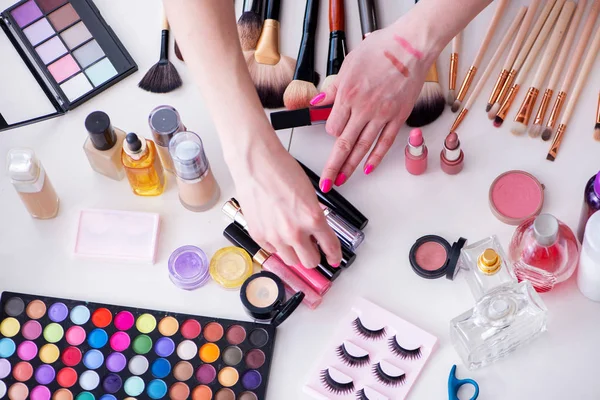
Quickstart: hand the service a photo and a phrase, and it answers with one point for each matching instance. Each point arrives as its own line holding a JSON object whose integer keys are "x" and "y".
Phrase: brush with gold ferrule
{"x": 597, "y": 126}
{"x": 453, "y": 73}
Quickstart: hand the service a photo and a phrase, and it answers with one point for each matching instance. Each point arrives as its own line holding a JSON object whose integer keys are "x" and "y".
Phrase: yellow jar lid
{"x": 489, "y": 262}
{"x": 230, "y": 267}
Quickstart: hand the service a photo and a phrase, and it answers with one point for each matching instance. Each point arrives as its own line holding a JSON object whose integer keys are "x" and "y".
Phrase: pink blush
{"x": 63, "y": 68}
{"x": 431, "y": 256}
{"x": 516, "y": 196}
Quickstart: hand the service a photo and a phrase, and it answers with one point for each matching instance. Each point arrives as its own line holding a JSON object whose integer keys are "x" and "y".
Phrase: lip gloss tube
{"x": 239, "y": 237}
{"x": 348, "y": 234}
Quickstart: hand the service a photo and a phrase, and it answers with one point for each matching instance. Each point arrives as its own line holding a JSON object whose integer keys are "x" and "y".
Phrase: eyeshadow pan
{"x": 66, "y": 377}
{"x": 89, "y": 380}
{"x": 27, "y": 13}
{"x": 191, "y": 329}
{"x": 236, "y": 334}
{"x": 75, "y": 335}
{"x": 248, "y": 396}
{"x": 88, "y": 53}
{"x": 27, "y": 350}
{"x": 206, "y": 374}
{"x": 102, "y": 317}
{"x": 203, "y": 393}
{"x": 123, "y": 320}
{"x": 5, "y": 368}
{"x": 14, "y": 307}
{"x": 183, "y": 371}
{"x": 259, "y": 337}
{"x": 62, "y": 394}
{"x": 45, "y": 374}
{"x": 168, "y": 326}
{"x": 63, "y": 17}
{"x": 31, "y": 330}
{"x": 7, "y": 347}
{"x": 23, "y": 371}
{"x": 101, "y": 72}
{"x": 255, "y": 358}
{"x": 18, "y": 391}
{"x": 93, "y": 359}
{"x": 112, "y": 383}
{"x": 71, "y": 356}
{"x": 134, "y": 386}
{"x": 76, "y": 35}
{"x": 116, "y": 362}
{"x": 224, "y": 394}
{"x": 36, "y": 309}
{"x": 120, "y": 341}
{"x": 38, "y": 31}
{"x": 251, "y": 380}
{"x": 80, "y": 315}
{"x": 58, "y": 312}
{"x": 51, "y": 50}
{"x": 164, "y": 347}
{"x": 228, "y": 376}
{"x": 49, "y": 5}
{"x": 213, "y": 332}
{"x": 3, "y": 389}
{"x": 233, "y": 355}
{"x": 179, "y": 391}
{"x": 138, "y": 365}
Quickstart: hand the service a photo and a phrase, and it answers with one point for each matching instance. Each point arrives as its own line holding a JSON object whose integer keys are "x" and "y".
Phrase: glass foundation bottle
{"x": 165, "y": 123}
{"x": 198, "y": 189}
{"x": 142, "y": 166}
{"x": 32, "y": 184}
{"x": 104, "y": 145}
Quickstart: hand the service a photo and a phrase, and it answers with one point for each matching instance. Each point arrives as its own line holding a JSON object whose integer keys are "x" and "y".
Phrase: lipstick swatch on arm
{"x": 397, "y": 63}
{"x": 408, "y": 47}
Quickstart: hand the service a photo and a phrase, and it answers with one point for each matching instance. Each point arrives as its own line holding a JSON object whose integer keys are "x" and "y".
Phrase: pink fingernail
{"x": 317, "y": 99}
{"x": 326, "y": 185}
{"x": 335, "y": 265}
{"x": 368, "y": 169}
{"x": 341, "y": 178}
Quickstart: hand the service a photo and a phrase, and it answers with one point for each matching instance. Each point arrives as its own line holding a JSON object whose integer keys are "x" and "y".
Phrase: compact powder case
{"x": 515, "y": 196}
{"x": 263, "y": 296}
{"x": 432, "y": 257}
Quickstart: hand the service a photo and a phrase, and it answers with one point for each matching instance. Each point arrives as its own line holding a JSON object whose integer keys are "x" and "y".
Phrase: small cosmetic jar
{"x": 432, "y": 257}
{"x": 263, "y": 296}
{"x": 230, "y": 267}
{"x": 188, "y": 267}
{"x": 515, "y": 196}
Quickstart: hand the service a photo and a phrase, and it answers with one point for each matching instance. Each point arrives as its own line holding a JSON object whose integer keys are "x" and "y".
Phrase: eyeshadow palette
{"x": 63, "y": 46}
{"x": 62, "y": 349}
{"x": 375, "y": 355}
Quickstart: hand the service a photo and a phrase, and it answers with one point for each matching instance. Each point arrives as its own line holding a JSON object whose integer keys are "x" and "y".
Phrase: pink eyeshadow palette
{"x": 68, "y": 48}
{"x": 61, "y": 349}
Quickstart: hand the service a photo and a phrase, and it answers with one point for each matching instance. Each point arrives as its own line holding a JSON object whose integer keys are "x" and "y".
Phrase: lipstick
{"x": 239, "y": 237}
{"x": 452, "y": 157}
{"x": 302, "y": 117}
{"x": 416, "y": 153}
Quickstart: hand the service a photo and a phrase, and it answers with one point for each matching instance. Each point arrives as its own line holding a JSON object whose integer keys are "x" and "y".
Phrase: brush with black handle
{"x": 302, "y": 88}
{"x": 250, "y": 23}
{"x": 337, "y": 41}
{"x": 368, "y": 17}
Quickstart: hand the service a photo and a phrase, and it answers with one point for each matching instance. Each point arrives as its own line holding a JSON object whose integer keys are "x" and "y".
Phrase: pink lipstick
{"x": 302, "y": 117}
{"x": 416, "y": 153}
{"x": 452, "y": 157}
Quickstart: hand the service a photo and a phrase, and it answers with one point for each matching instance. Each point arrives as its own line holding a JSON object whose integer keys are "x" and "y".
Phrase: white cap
{"x": 592, "y": 232}
{"x": 545, "y": 228}
{"x": 23, "y": 165}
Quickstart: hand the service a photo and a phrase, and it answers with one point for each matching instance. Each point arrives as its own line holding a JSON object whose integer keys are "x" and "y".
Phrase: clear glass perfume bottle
{"x": 142, "y": 166}
{"x": 544, "y": 251}
{"x": 504, "y": 319}
{"x": 486, "y": 265}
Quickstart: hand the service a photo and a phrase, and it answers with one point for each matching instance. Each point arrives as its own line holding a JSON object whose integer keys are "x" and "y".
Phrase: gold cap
{"x": 489, "y": 262}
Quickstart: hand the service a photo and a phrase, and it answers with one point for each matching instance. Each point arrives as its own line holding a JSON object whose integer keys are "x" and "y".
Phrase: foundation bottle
{"x": 165, "y": 123}
{"x": 32, "y": 184}
{"x": 104, "y": 145}
{"x": 198, "y": 189}
{"x": 142, "y": 166}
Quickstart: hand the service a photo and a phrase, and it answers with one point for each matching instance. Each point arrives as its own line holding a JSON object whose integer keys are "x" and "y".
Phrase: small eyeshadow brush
{"x": 337, "y": 41}
{"x": 453, "y": 72}
{"x": 597, "y": 126}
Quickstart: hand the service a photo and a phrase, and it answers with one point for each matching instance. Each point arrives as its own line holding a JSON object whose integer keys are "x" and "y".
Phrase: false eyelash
{"x": 386, "y": 379}
{"x": 349, "y": 359}
{"x": 367, "y": 333}
{"x": 360, "y": 395}
{"x": 334, "y": 386}
{"x": 401, "y": 352}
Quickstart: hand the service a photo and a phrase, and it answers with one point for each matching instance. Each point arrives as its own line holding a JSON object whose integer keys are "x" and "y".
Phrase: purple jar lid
{"x": 188, "y": 267}
{"x": 597, "y": 184}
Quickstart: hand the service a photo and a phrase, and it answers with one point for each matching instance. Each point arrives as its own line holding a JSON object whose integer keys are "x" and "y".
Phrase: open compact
{"x": 515, "y": 196}
{"x": 263, "y": 296}
{"x": 432, "y": 257}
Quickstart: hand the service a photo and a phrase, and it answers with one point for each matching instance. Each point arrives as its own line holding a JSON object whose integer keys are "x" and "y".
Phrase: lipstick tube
{"x": 348, "y": 234}
{"x": 303, "y": 117}
{"x": 239, "y": 237}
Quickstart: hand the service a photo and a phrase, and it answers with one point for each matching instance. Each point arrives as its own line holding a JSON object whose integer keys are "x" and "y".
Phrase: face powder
{"x": 432, "y": 257}
{"x": 516, "y": 196}
{"x": 230, "y": 267}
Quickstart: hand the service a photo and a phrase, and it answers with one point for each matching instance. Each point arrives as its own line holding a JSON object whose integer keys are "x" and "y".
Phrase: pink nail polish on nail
{"x": 317, "y": 99}
{"x": 368, "y": 169}
{"x": 326, "y": 185}
{"x": 341, "y": 178}
{"x": 335, "y": 265}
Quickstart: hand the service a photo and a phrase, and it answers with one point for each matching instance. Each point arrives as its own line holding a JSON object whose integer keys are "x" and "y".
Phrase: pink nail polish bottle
{"x": 416, "y": 153}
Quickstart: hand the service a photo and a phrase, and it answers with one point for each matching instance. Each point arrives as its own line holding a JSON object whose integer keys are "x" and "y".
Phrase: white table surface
{"x": 36, "y": 256}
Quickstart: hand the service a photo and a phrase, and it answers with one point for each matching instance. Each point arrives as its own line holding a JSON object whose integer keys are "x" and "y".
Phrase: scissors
{"x": 454, "y": 384}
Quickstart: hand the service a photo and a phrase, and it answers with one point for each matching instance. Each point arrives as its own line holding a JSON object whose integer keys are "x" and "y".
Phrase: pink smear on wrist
{"x": 408, "y": 47}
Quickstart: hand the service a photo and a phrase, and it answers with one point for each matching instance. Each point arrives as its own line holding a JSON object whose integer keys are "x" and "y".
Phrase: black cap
{"x": 290, "y": 119}
{"x": 240, "y": 238}
{"x": 453, "y": 258}
{"x": 288, "y": 308}
{"x": 133, "y": 142}
{"x": 100, "y": 130}
{"x": 165, "y": 120}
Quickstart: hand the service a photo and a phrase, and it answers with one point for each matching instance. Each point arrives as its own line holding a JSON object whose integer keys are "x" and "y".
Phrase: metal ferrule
{"x": 539, "y": 117}
{"x": 466, "y": 84}
{"x": 498, "y": 86}
{"x": 267, "y": 48}
{"x": 453, "y": 71}
{"x": 234, "y": 212}
{"x": 459, "y": 119}
{"x": 556, "y": 109}
{"x": 598, "y": 111}
{"x": 510, "y": 98}
{"x": 557, "y": 141}
{"x": 527, "y": 106}
{"x": 261, "y": 257}
{"x": 348, "y": 234}
{"x": 507, "y": 86}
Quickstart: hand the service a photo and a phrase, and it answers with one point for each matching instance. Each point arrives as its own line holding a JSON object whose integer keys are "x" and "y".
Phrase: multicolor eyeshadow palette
{"x": 65, "y": 48}
{"x": 375, "y": 355}
{"x": 62, "y": 349}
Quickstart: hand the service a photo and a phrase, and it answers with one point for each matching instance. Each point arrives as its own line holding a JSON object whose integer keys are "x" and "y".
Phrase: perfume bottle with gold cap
{"x": 486, "y": 265}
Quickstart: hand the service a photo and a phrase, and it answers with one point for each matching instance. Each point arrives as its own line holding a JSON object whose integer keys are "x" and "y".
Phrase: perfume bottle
{"x": 165, "y": 123}
{"x": 104, "y": 145}
{"x": 142, "y": 166}
{"x": 32, "y": 184}
{"x": 486, "y": 265}
{"x": 588, "y": 274}
{"x": 591, "y": 203}
{"x": 504, "y": 319}
{"x": 545, "y": 252}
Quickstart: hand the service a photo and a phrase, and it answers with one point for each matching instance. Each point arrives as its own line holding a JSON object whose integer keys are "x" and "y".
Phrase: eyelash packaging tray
{"x": 374, "y": 355}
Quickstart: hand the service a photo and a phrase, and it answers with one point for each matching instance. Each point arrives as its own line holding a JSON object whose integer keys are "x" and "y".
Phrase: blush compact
{"x": 432, "y": 257}
{"x": 516, "y": 196}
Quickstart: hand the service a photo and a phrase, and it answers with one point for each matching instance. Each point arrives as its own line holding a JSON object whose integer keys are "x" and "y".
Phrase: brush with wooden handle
{"x": 337, "y": 41}
{"x": 453, "y": 73}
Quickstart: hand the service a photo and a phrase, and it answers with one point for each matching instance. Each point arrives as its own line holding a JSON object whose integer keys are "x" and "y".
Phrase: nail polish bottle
{"x": 588, "y": 274}
{"x": 104, "y": 145}
{"x": 591, "y": 203}
{"x": 164, "y": 123}
{"x": 545, "y": 252}
{"x": 142, "y": 166}
{"x": 452, "y": 157}
{"x": 32, "y": 184}
{"x": 416, "y": 153}
{"x": 198, "y": 189}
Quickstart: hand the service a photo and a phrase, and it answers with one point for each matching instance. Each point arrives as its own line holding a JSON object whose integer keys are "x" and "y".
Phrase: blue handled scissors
{"x": 454, "y": 384}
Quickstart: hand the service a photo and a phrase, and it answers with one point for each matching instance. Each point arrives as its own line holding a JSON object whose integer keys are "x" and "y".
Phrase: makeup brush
{"x": 588, "y": 63}
{"x": 250, "y": 24}
{"x": 163, "y": 76}
{"x": 523, "y": 53}
{"x": 521, "y": 120}
{"x": 506, "y": 39}
{"x": 452, "y": 75}
{"x": 536, "y": 128}
{"x": 337, "y": 41}
{"x": 368, "y": 17}
{"x": 302, "y": 89}
{"x": 597, "y": 126}
{"x": 528, "y": 64}
{"x": 575, "y": 58}
{"x": 466, "y": 83}
{"x": 178, "y": 52}
{"x": 270, "y": 71}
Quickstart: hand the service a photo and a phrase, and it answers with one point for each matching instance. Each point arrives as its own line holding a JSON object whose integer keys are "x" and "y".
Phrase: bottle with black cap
{"x": 165, "y": 123}
{"x": 142, "y": 166}
{"x": 104, "y": 145}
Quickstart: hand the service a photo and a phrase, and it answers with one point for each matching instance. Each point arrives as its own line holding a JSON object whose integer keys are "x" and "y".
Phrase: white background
{"x": 36, "y": 256}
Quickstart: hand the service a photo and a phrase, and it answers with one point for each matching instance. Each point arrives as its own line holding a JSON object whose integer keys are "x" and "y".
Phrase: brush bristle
{"x": 161, "y": 78}
{"x": 494, "y": 111}
{"x": 488, "y": 107}
{"x": 428, "y": 107}
{"x": 546, "y": 134}
{"x": 550, "y": 157}
{"x": 178, "y": 52}
{"x": 535, "y": 131}
{"x": 518, "y": 128}
{"x": 456, "y": 105}
{"x": 498, "y": 121}
{"x": 298, "y": 94}
{"x": 271, "y": 80}
{"x": 597, "y": 132}
{"x": 327, "y": 82}
{"x": 451, "y": 97}
{"x": 249, "y": 29}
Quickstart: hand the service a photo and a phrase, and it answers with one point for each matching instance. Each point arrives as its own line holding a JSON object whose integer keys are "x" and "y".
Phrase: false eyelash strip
{"x": 401, "y": 352}
{"x": 351, "y": 360}
{"x": 334, "y": 386}
{"x": 408, "y": 47}
{"x": 397, "y": 63}
{"x": 386, "y": 379}
{"x": 360, "y": 395}
{"x": 367, "y": 333}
